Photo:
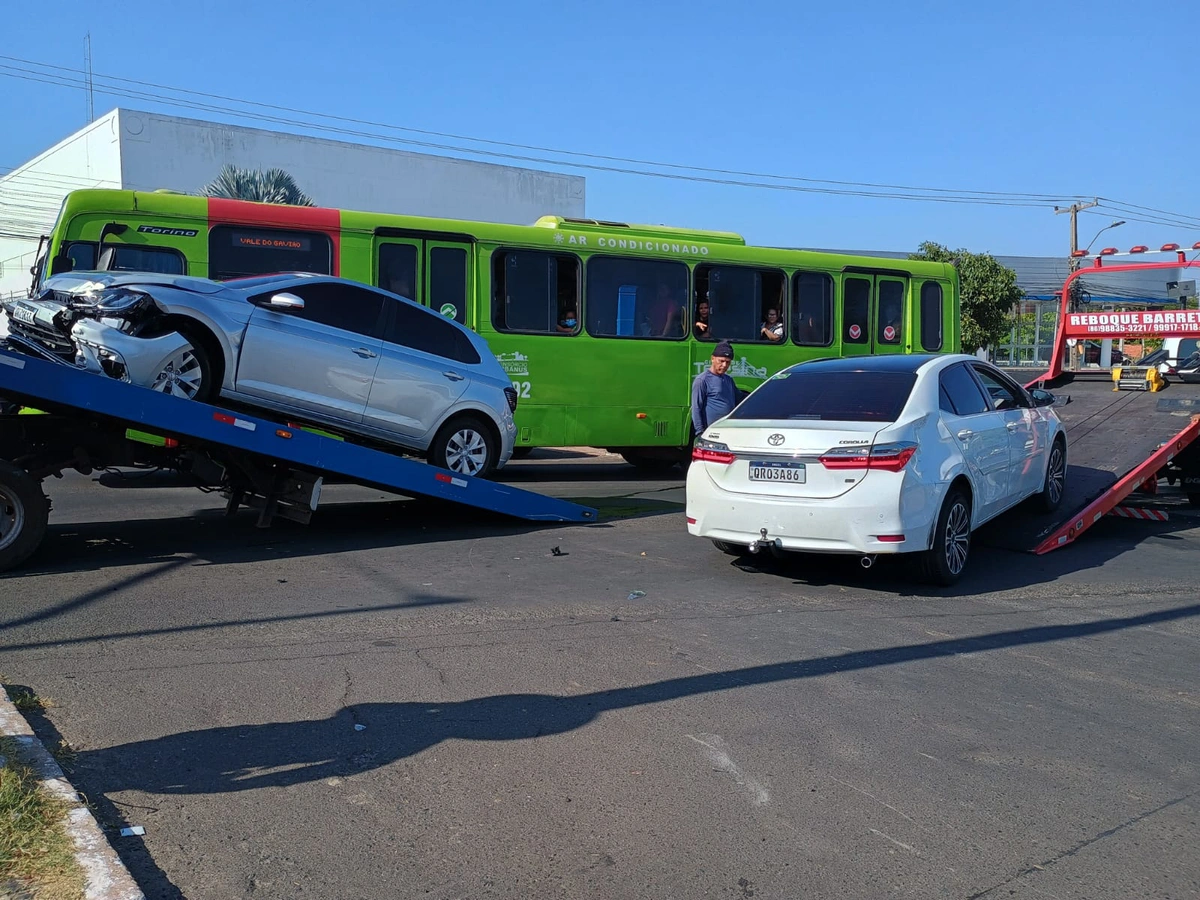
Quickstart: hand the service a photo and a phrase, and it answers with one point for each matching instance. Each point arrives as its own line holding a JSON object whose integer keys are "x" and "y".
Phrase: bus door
{"x": 448, "y": 281}
{"x": 874, "y": 316}
{"x": 398, "y": 267}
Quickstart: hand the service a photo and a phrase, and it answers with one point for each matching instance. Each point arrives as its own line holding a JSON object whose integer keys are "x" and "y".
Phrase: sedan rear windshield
{"x": 830, "y": 396}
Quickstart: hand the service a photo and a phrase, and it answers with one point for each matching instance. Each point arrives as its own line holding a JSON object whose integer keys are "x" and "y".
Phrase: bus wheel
{"x": 24, "y": 511}
{"x": 651, "y": 465}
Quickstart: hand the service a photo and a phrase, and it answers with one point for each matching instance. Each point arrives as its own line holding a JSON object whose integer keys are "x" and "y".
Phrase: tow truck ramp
{"x": 90, "y": 422}
{"x": 1125, "y": 428}
{"x": 1117, "y": 442}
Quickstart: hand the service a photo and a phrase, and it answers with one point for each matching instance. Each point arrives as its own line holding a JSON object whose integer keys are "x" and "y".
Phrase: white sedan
{"x": 876, "y": 454}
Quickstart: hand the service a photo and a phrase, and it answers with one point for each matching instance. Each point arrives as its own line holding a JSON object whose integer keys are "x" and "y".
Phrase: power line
{"x": 70, "y": 80}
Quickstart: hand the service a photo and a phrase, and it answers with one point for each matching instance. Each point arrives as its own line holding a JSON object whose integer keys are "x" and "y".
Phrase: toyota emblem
{"x": 775, "y": 440}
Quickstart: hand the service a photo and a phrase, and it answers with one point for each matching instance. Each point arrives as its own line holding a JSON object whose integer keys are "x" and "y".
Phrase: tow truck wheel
{"x": 24, "y": 511}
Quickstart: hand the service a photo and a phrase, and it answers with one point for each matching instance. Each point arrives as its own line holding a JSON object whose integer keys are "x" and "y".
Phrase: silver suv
{"x": 313, "y": 347}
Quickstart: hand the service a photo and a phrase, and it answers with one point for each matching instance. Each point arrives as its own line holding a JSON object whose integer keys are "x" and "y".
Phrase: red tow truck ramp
{"x": 1120, "y": 436}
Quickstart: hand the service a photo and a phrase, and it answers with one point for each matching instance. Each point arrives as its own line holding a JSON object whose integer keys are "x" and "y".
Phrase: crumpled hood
{"x": 91, "y": 282}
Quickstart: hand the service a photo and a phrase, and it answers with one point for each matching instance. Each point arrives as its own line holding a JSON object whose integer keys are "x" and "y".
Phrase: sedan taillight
{"x": 511, "y": 394}
{"x": 886, "y": 457}
{"x": 711, "y": 451}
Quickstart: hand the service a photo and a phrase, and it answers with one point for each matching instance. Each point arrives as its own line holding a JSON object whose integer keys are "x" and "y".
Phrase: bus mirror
{"x": 61, "y": 263}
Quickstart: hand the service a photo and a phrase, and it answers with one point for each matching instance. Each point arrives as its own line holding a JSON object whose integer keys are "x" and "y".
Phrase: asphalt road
{"x": 405, "y": 700}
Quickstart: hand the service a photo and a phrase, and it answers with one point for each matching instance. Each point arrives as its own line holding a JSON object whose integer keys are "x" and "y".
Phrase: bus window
{"x": 644, "y": 298}
{"x": 812, "y": 309}
{"x": 740, "y": 300}
{"x": 235, "y": 252}
{"x": 398, "y": 270}
{"x": 160, "y": 260}
{"x": 856, "y": 311}
{"x": 891, "y": 312}
{"x": 931, "y": 316}
{"x": 533, "y": 291}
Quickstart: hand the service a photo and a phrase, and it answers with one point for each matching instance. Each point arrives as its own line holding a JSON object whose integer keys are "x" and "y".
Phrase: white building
{"x": 147, "y": 151}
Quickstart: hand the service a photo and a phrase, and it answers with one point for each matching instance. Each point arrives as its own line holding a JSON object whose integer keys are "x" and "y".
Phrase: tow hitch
{"x": 765, "y": 543}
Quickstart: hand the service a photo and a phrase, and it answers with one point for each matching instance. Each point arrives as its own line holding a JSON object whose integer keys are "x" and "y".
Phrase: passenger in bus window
{"x": 666, "y": 314}
{"x": 700, "y": 327}
{"x": 772, "y": 328}
{"x": 889, "y": 318}
{"x": 568, "y": 322}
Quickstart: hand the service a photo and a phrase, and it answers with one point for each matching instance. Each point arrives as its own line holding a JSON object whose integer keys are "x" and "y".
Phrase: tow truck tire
{"x": 1054, "y": 485}
{"x": 24, "y": 511}
{"x": 945, "y": 562}
{"x": 465, "y": 445}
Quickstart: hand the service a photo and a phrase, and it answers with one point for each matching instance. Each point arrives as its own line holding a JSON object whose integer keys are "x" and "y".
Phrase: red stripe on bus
{"x": 275, "y": 215}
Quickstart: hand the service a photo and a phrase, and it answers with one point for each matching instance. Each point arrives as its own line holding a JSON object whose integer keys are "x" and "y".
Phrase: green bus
{"x": 602, "y": 326}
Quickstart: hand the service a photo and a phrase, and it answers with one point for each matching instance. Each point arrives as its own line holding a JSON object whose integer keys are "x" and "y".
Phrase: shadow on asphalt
{"x": 211, "y": 536}
{"x": 990, "y": 569}
{"x": 280, "y": 754}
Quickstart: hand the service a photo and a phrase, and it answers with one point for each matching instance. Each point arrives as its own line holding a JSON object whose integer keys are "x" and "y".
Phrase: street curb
{"x": 106, "y": 876}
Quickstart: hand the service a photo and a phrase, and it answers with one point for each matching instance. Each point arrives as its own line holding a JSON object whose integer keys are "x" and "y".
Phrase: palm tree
{"x": 270, "y": 186}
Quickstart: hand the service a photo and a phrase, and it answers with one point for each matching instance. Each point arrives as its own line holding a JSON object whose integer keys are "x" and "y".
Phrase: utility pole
{"x": 1073, "y": 261}
{"x": 87, "y": 61}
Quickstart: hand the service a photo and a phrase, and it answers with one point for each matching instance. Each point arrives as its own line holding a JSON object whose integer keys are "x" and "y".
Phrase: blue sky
{"x": 1069, "y": 99}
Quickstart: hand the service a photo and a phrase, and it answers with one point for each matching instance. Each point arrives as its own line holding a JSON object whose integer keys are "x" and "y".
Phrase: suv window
{"x": 422, "y": 329}
{"x": 829, "y": 396}
{"x": 338, "y": 306}
{"x": 963, "y": 391}
{"x": 1003, "y": 395}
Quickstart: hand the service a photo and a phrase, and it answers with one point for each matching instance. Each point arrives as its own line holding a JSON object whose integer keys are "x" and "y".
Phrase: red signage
{"x": 855, "y": 332}
{"x": 1125, "y": 324}
{"x": 889, "y": 333}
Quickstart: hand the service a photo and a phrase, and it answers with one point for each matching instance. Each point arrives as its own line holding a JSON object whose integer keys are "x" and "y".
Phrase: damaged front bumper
{"x": 105, "y": 350}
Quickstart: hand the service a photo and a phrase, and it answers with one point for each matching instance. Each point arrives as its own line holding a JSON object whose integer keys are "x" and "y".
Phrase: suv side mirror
{"x": 284, "y": 301}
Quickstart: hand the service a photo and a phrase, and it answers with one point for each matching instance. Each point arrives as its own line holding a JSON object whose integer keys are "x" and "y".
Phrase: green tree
{"x": 270, "y": 186}
{"x": 989, "y": 293}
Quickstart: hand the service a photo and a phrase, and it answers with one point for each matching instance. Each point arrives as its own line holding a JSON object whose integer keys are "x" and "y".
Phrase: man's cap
{"x": 723, "y": 350}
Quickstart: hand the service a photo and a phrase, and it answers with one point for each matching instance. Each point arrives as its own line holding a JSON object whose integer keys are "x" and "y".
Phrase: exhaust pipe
{"x": 867, "y": 561}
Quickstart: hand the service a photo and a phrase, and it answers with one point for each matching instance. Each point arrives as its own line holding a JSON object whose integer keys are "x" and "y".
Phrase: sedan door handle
{"x": 966, "y": 434}
{"x": 365, "y": 353}
{"x": 1012, "y": 426}
{"x": 454, "y": 376}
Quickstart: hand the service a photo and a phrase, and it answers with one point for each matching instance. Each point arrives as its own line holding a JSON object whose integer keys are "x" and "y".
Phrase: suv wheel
{"x": 465, "y": 445}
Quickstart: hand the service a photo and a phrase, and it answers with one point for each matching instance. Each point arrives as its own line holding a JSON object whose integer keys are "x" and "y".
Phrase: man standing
{"x": 714, "y": 394}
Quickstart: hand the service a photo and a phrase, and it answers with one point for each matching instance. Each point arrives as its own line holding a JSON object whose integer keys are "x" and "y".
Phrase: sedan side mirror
{"x": 285, "y": 301}
{"x": 1044, "y": 398}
